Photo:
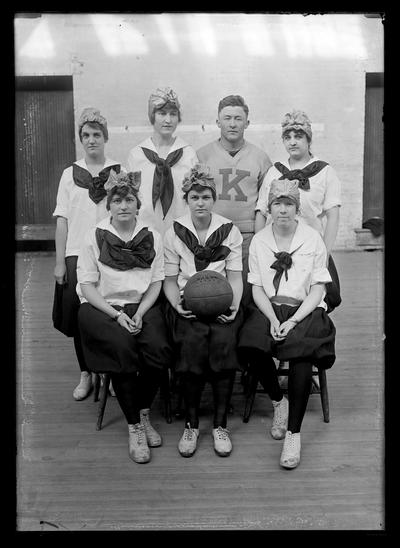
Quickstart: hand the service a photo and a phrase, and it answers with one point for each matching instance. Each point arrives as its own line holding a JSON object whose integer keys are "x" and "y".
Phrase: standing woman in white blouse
{"x": 123, "y": 331}
{"x": 163, "y": 159}
{"x": 319, "y": 190}
{"x": 80, "y": 205}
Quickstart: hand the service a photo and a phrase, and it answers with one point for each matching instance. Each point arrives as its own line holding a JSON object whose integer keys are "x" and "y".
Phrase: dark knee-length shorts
{"x": 312, "y": 339}
{"x": 110, "y": 348}
{"x": 201, "y": 347}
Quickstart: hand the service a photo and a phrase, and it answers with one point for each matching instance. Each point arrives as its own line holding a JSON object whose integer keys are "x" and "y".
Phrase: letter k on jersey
{"x": 228, "y": 185}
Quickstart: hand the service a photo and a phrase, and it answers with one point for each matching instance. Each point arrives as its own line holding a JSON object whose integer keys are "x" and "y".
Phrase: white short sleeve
{"x": 171, "y": 257}
{"x": 234, "y": 259}
{"x": 87, "y": 270}
{"x": 320, "y": 273}
{"x": 333, "y": 190}
{"x": 254, "y": 276}
{"x": 262, "y": 202}
{"x": 63, "y": 195}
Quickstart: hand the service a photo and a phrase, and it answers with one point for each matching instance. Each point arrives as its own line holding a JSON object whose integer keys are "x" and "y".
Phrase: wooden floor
{"x": 72, "y": 477}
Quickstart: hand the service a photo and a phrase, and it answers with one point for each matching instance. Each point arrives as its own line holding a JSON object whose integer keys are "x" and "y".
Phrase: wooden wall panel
{"x": 44, "y": 123}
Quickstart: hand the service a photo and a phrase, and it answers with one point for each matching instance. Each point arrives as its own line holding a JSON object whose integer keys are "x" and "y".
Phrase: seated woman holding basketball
{"x": 205, "y": 347}
{"x": 288, "y": 272}
{"x": 120, "y": 272}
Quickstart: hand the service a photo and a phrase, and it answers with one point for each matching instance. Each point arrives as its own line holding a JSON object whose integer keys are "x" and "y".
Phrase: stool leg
{"x": 103, "y": 400}
{"x": 251, "y": 394}
{"x": 324, "y": 394}
{"x": 96, "y": 386}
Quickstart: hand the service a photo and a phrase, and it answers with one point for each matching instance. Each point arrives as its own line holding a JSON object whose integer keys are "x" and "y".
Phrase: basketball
{"x": 207, "y": 294}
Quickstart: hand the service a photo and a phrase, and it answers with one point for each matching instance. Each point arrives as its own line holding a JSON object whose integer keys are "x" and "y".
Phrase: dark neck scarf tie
{"x": 212, "y": 251}
{"x": 114, "y": 252}
{"x": 281, "y": 265}
{"x": 303, "y": 175}
{"x": 95, "y": 185}
{"x": 163, "y": 183}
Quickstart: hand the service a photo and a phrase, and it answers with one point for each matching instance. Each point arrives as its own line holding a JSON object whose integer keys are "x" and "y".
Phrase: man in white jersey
{"x": 238, "y": 168}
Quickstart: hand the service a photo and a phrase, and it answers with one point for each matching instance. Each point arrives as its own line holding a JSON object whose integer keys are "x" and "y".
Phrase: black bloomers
{"x": 202, "y": 346}
{"x": 312, "y": 339}
{"x": 66, "y": 301}
{"x": 110, "y": 348}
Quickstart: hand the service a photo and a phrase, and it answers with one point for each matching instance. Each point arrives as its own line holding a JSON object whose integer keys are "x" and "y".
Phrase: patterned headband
{"x": 160, "y": 98}
{"x": 131, "y": 179}
{"x": 91, "y": 114}
{"x": 284, "y": 188}
{"x": 297, "y": 120}
{"x": 199, "y": 174}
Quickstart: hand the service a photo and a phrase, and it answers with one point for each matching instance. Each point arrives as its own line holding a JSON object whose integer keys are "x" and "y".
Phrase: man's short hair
{"x": 233, "y": 101}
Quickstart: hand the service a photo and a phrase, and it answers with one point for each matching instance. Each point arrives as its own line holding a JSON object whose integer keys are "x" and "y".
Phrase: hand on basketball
{"x": 223, "y": 318}
{"x": 187, "y": 314}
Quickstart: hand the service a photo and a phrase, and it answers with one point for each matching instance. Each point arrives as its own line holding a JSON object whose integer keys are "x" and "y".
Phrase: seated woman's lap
{"x": 312, "y": 339}
{"x": 203, "y": 346}
{"x": 108, "y": 347}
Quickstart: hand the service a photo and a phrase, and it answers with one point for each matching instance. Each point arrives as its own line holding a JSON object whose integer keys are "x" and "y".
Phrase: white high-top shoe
{"x": 138, "y": 449}
{"x": 84, "y": 387}
{"x": 280, "y": 420}
{"x": 153, "y": 437}
{"x": 290, "y": 456}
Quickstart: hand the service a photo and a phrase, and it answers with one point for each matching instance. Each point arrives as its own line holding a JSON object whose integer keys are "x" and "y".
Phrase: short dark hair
{"x": 168, "y": 105}
{"x": 122, "y": 192}
{"x": 200, "y": 188}
{"x": 288, "y": 199}
{"x": 296, "y": 131}
{"x": 233, "y": 101}
{"x": 94, "y": 125}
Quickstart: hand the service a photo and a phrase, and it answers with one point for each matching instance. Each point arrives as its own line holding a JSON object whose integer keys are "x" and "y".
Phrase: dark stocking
{"x": 192, "y": 387}
{"x": 299, "y": 383}
{"x": 149, "y": 382}
{"x": 79, "y": 352}
{"x": 265, "y": 369}
{"x": 127, "y": 391}
{"x": 222, "y": 387}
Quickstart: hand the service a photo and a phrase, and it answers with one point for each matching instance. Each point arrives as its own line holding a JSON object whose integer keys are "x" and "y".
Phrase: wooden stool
{"x": 100, "y": 392}
{"x": 318, "y": 386}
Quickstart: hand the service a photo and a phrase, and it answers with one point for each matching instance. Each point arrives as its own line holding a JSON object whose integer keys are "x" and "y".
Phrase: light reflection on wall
{"x": 202, "y": 34}
{"x": 168, "y": 33}
{"x": 255, "y": 35}
{"x": 117, "y": 36}
{"x": 322, "y": 36}
{"x": 40, "y": 44}
{"x": 296, "y": 36}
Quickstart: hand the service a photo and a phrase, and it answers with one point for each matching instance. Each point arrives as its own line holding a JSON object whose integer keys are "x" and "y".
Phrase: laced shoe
{"x": 222, "y": 443}
{"x": 138, "y": 449}
{"x": 188, "y": 443}
{"x": 280, "y": 420}
{"x": 84, "y": 387}
{"x": 153, "y": 438}
{"x": 290, "y": 456}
